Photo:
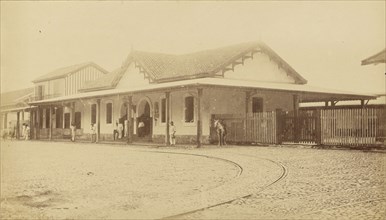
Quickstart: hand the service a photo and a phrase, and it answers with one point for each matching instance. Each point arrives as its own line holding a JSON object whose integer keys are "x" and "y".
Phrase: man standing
{"x": 27, "y": 131}
{"x": 172, "y": 132}
{"x": 115, "y": 131}
{"x": 72, "y": 127}
{"x": 93, "y": 133}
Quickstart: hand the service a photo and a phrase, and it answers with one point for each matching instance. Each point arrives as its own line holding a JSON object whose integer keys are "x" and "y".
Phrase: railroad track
{"x": 284, "y": 172}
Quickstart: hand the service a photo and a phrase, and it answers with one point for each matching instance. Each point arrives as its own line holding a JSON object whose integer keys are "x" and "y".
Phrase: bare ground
{"x": 46, "y": 180}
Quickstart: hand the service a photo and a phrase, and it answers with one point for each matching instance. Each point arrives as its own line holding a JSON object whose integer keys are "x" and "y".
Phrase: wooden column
{"x": 17, "y": 125}
{"x": 31, "y": 122}
{"x": 167, "y": 103}
{"x": 199, "y": 120}
{"x": 130, "y": 120}
{"x": 247, "y": 99}
{"x": 72, "y": 113}
{"x": 296, "y": 118}
{"x": 326, "y": 104}
{"x": 98, "y": 120}
{"x": 37, "y": 124}
{"x": 362, "y": 103}
{"x": 22, "y": 115}
{"x": 50, "y": 130}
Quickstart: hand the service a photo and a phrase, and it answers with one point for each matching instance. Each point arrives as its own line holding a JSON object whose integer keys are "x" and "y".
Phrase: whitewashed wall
{"x": 132, "y": 78}
{"x": 260, "y": 68}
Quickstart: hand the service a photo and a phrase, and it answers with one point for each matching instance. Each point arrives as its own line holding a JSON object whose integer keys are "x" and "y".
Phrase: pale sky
{"x": 324, "y": 41}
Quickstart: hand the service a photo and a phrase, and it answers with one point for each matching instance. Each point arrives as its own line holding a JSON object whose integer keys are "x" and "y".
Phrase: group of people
{"x": 93, "y": 132}
{"x": 11, "y": 132}
{"x": 118, "y": 131}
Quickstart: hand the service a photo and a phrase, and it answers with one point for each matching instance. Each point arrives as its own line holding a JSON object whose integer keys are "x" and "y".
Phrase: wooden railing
{"x": 355, "y": 126}
{"x": 253, "y": 128}
{"x": 362, "y": 126}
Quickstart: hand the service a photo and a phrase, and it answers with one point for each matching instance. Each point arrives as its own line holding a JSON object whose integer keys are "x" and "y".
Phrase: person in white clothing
{"x": 172, "y": 132}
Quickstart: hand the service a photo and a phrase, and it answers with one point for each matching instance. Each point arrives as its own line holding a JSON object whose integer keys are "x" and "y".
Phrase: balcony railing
{"x": 49, "y": 96}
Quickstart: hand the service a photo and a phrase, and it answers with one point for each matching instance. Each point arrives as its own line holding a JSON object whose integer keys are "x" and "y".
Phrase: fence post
{"x": 296, "y": 118}
{"x": 247, "y": 98}
{"x": 318, "y": 128}
{"x": 279, "y": 126}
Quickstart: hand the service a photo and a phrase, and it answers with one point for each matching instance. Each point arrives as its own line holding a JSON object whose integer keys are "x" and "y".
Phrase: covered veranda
{"x": 203, "y": 88}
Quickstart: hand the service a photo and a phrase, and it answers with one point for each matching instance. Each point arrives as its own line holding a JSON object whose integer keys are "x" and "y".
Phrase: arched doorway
{"x": 144, "y": 119}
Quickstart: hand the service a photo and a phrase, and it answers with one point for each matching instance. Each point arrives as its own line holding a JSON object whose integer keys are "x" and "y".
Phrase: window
{"x": 109, "y": 113}
{"x": 257, "y": 104}
{"x": 163, "y": 110}
{"x": 189, "y": 109}
{"x": 40, "y": 92}
{"x": 93, "y": 114}
{"x": 59, "y": 117}
{"x": 78, "y": 119}
{"x": 67, "y": 119}
{"x": 48, "y": 117}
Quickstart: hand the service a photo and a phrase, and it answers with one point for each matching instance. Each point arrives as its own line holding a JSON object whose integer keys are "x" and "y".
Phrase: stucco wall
{"x": 214, "y": 101}
{"x": 132, "y": 78}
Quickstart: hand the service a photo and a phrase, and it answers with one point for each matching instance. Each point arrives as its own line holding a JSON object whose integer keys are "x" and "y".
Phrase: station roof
{"x": 64, "y": 71}
{"x": 376, "y": 58}
{"x": 15, "y": 100}
{"x": 306, "y": 93}
{"x": 160, "y": 67}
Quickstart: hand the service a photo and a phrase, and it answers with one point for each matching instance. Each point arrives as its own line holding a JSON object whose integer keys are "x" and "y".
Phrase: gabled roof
{"x": 107, "y": 81}
{"x": 161, "y": 67}
{"x": 13, "y": 98}
{"x": 376, "y": 59}
{"x": 64, "y": 71}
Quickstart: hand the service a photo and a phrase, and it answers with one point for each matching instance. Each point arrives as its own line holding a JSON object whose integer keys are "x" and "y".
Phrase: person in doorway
{"x": 115, "y": 131}
{"x": 26, "y": 133}
{"x": 73, "y": 128}
{"x": 172, "y": 132}
{"x": 23, "y": 130}
{"x": 141, "y": 129}
{"x": 120, "y": 130}
{"x": 93, "y": 133}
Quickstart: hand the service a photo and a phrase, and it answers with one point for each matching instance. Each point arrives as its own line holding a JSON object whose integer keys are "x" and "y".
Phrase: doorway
{"x": 144, "y": 120}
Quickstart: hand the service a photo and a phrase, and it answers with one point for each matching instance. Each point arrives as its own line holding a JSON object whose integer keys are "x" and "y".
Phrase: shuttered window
{"x": 189, "y": 109}
{"x": 93, "y": 113}
{"x": 163, "y": 110}
{"x": 257, "y": 104}
{"x": 78, "y": 120}
{"x": 109, "y": 113}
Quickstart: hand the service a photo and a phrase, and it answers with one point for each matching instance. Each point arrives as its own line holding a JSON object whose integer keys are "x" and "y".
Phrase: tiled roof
{"x": 375, "y": 59}
{"x": 61, "y": 72}
{"x": 12, "y": 97}
{"x": 169, "y": 67}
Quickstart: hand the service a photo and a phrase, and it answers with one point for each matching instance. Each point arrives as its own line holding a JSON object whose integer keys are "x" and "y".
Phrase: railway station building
{"x": 248, "y": 85}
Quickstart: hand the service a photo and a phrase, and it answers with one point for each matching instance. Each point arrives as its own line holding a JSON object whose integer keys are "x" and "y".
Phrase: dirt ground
{"x": 54, "y": 180}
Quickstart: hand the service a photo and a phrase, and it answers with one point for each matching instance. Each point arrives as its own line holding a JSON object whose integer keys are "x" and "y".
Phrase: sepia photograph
{"x": 194, "y": 110}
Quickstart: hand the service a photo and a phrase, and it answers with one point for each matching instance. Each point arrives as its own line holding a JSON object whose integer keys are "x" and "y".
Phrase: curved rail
{"x": 282, "y": 176}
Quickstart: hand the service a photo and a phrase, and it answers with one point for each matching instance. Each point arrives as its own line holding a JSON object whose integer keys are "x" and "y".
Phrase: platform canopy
{"x": 305, "y": 92}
